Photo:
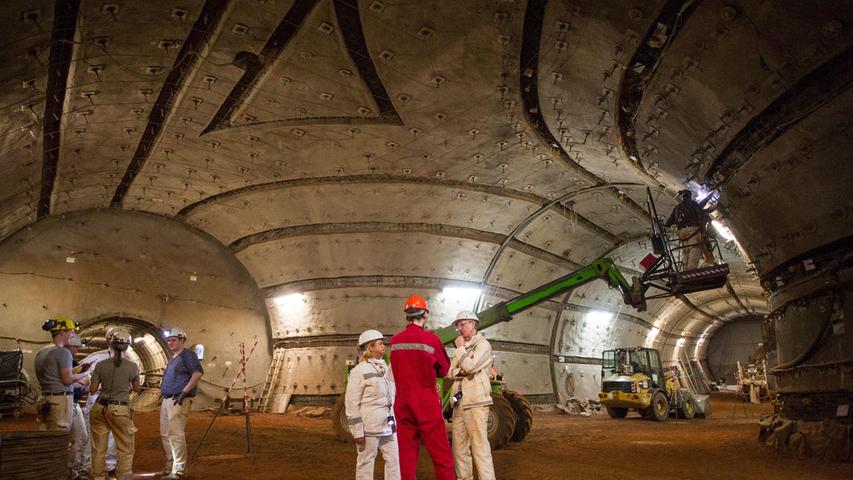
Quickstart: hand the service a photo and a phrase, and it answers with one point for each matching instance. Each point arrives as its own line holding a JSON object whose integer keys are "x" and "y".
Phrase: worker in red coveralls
{"x": 417, "y": 359}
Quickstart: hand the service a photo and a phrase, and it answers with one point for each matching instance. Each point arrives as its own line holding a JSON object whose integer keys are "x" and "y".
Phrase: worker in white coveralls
{"x": 472, "y": 397}
{"x": 115, "y": 379}
{"x": 88, "y": 364}
{"x": 370, "y": 409}
{"x": 79, "y": 427}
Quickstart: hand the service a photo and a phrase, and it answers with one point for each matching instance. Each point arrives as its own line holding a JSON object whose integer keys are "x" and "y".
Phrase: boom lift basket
{"x": 663, "y": 269}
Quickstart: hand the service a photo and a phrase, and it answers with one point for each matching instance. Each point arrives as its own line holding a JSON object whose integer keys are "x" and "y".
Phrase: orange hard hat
{"x": 415, "y": 302}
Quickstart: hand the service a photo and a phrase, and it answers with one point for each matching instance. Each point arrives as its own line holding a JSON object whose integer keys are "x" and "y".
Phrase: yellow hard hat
{"x": 60, "y": 323}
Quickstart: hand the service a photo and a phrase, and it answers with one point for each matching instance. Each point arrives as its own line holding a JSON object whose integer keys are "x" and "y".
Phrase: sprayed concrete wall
{"x": 93, "y": 265}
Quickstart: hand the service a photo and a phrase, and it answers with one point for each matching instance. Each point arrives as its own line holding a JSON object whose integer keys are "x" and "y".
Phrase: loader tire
{"x": 687, "y": 409}
{"x": 617, "y": 412}
{"x": 501, "y": 422}
{"x": 523, "y": 414}
{"x": 659, "y": 408}
{"x": 339, "y": 420}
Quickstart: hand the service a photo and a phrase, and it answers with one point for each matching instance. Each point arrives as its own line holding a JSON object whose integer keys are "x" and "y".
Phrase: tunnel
{"x": 279, "y": 178}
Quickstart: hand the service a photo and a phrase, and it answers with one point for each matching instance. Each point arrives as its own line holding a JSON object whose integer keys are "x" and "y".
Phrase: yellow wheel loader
{"x": 633, "y": 379}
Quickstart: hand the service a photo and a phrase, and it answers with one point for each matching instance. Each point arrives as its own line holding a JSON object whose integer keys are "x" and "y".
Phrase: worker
{"x": 417, "y": 358}
{"x": 370, "y": 409}
{"x": 115, "y": 378}
{"x": 54, "y": 372}
{"x": 691, "y": 220}
{"x": 91, "y": 402}
{"x": 79, "y": 427}
{"x": 178, "y": 388}
{"x": 472, "y": 397}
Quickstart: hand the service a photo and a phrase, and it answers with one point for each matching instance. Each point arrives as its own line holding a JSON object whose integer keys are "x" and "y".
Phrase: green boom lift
{"x": 511, "y": 416}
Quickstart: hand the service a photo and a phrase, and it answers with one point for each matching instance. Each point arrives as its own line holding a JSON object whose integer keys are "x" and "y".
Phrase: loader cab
{"x": 630, "y": 361}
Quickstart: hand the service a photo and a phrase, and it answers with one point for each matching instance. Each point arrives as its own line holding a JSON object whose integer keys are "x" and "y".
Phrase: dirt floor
{"x": 558, "y": 447}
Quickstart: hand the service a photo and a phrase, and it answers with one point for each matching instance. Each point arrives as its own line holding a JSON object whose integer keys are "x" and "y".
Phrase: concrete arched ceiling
{"x": 415, "y": 142}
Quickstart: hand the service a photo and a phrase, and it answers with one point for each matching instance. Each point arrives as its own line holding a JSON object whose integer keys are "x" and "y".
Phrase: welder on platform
{"x": 471, "y": 399}
{"x": 370, "y": 409}
{"x": 417, "y": 358}
{"x": 691, "y": 219}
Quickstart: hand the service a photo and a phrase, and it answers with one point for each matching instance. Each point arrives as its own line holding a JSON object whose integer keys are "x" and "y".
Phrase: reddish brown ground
{"x": 558, "y": 447}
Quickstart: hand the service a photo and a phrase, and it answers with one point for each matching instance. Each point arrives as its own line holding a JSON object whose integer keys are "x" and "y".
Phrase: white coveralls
{"x": 369, "y": 404}
{"x": 693, "y": 247}
{"x": 79, "y": 443}
{"x": 469, "y": 368}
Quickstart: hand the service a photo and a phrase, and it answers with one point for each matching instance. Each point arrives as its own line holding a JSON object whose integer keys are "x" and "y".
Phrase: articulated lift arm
{"x": 602, "y": 268}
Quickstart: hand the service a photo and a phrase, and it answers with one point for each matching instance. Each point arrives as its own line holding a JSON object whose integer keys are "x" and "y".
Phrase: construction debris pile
{"x": 573, "y": 406}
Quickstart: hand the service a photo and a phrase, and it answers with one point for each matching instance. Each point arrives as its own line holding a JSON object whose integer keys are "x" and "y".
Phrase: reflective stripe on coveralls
{"x": 417, "y": 357}
{"x": 369, "y": 404}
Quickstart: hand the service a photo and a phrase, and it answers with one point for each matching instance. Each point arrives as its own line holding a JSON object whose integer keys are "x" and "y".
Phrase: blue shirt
{"x": 178, "y": 372}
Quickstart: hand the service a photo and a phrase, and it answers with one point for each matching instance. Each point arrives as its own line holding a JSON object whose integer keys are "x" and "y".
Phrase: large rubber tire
{"x": 659, "y": 408}
{"x": 687, "y": 409}
{"x": 523, "y": 414}
{"x": 339, "y": 420}
{"x": 501, "y": 422}
{"x": 617, "y": 412}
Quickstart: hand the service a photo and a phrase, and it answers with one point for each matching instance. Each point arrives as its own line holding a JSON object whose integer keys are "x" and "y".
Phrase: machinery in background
{"x": 752, "y": 382}
{"x": 634, "y": 379}
{"x": 13, "y": 386}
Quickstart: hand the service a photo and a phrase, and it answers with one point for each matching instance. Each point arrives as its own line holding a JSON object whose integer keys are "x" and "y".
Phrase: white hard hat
{"x": 466, "y": 315}
{"x": 368, "y": 336}
{"x": 175, "y": 332}
{"x": 109, "y": 333}
{"x": 75, "y": 340}
{"x": 120, "y": 336}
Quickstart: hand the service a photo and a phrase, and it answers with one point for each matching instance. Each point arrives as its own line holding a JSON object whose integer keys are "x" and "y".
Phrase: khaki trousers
{"x": 59, "y": 417}
{"x": 117, "y": 419}
{"x": 367, "y": 457}
{"x": 173, "y": 423}
{"x": 91, "y": 403}
{"x": 692, "y": 247}
{"x": 470, "y": 439}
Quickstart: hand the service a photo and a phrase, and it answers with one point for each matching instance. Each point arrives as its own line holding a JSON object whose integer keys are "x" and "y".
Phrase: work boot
{"x": 177, "y": 476}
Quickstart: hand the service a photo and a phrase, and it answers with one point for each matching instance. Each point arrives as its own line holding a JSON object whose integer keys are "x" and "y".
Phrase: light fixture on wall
{"x": 289, "y": 301}
{"x": 465, "y": 296}
{"x": 599, "y": 316}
